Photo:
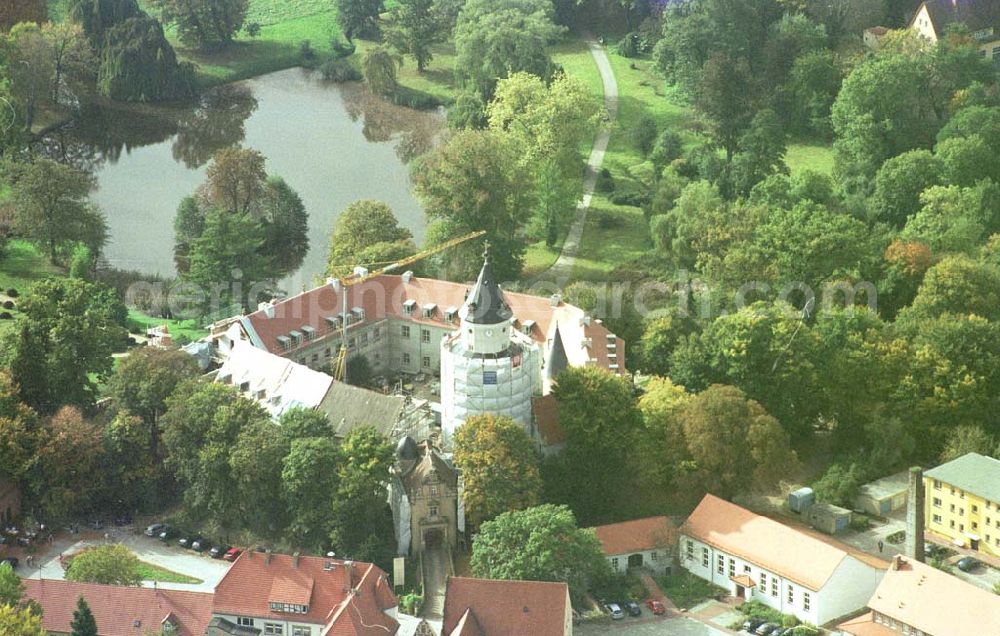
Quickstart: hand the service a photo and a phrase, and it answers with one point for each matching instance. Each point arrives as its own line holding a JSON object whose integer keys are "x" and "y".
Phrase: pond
{"x": 332, "y": 143}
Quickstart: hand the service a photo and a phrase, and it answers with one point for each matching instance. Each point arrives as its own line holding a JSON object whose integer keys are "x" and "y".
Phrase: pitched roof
{"x": 430, "y": 462}
{"x": 635, "y": 536}
{"x": 277, "y": 383}
{"x": 348, "y": 598}
{"x": 506, "y": 608}
{"x": 865, "y": 625}
{"x": 349, "y": 407}
{"x": 975, "y": 14}
{"x": 973, "y": 473}
{"x": 119, "y": 610}
{"x": 557, "y": 361}
{"x": 467, "y": 626}
{"x": 773, "y": 546}
{"x": 383, "y": 297}
{"x": 915, "y": 594}
{"x": 486, "y": 304}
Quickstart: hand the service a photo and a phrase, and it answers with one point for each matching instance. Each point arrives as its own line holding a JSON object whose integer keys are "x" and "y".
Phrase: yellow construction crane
{"x": 340, "y": 364}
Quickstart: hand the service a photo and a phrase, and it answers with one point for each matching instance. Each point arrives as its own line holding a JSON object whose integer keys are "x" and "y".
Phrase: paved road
{"x": 149, "y": 550}
{"x": 562, "y": 269}
{"x": 435, "y": 581}
{"x": 673, "y": 626}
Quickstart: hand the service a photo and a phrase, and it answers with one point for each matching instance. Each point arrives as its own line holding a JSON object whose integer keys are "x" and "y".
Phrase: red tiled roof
{"x": 383, "y": 297}
{"x": 117, "y": 609}
{"x": 505, "y": 608}
{"x": 348, "y": 599}
{"x": 467, "y": 626}
{"x": 546, "y": 412}
{"x": 865, "y": 625}
{"x": 636, "y": 535}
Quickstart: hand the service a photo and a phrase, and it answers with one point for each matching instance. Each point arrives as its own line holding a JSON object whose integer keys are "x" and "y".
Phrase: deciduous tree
{"x": 379, "y": 69}
{"x": 20, "y": 622}
{"x": 499, "y": 464}
{"x": 363, "y": 229}
{"x": 309, "y": 479}
{"x": 106, "y": 564}
{"x": 14, "y": 11}
{"x": 204, "y": 23}
{"x": 359, "y": 17}
{"x": 415, "y": 26}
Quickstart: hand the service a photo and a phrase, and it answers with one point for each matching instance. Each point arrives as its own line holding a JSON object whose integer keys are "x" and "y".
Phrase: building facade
{"x": 982, "y": 19}
{"x": 639, "y": 544}
{"x": 425, "y": 499}
{"x": 962, "y": 502}
{"x": 755, "y": 558}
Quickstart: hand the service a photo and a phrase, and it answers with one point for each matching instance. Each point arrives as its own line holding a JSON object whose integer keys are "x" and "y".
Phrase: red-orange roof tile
{"x": 121, "y": 611}
{"x": 507, "y": 608}
{"x": 636, "y": 535}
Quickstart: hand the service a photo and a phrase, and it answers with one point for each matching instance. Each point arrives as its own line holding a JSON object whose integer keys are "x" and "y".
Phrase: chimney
{"x": 295, "y": 560}
{"x": 915, "y": 515}
{"x": 555, "y": 299}
{"x": 360, "y": 272}
{"x": 407, "y": 277}
{"x": 334, "y": 283}
{"x": 267, "y": 308}
{"x": 267, "y": 557}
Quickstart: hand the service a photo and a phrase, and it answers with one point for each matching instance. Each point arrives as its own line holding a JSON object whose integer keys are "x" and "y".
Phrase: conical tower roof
{"x": 557, "y": 361}
{"x": 485, "y": 304}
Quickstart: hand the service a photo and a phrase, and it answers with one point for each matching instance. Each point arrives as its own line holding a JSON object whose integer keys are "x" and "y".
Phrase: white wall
{"x": 659, "y": 566}
{"x": 848, "y": 589}
{"x": 314, "y": 630}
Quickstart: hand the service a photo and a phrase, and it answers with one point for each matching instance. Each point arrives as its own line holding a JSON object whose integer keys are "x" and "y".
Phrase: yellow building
{"x": 962, "y": 502}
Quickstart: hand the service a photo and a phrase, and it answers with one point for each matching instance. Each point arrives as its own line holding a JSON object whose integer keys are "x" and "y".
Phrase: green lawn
{"x": 150, "y": 572}
{"x": 191, "y": 329}
{"x": 614, "y": 235}
{"x": 809, "y": 157}
{"x": 22, "y": 265}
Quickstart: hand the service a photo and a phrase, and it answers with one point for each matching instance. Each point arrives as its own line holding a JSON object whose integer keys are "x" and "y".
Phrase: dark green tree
{"x": 138, "y": 64}
{"x": 206, "y": 24}
{"x": 365, "y": 229}
{"x": 359, "y": 18}
{"x": 898, "y": 185}
{"x": 309, "y": 479}
{"x": 415, "y": 26}
{"x": 83, "y": 623}
{"x": 379, "y": 70}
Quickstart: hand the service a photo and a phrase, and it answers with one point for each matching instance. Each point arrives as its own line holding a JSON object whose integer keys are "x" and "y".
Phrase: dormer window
{"x": 528, "y": 327}
{"x": 450, "y": 314}
{"x": 408, "y": 307}
{"x": 285, "y": 343}
{"x": 296, "y": 337}
{"x": 308, "y": 332}
{"x": 289, "y": 608}
{"x": 359, "y": 314}
{"x": 429, "y": 310}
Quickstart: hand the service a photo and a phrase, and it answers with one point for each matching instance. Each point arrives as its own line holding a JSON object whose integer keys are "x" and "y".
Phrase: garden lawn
{"x": 614, "y": 235}
{"x": 190, "y": 329}
{"x": 22, "y": 264}
{"x": 804, "y": 156}
{"x": 150, "y": 572}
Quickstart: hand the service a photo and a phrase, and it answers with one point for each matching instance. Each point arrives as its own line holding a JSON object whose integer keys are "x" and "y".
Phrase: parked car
{"x": 168, "y": 533}
{"x": 632, "y": 608}
{"x": 189, "y": 541}
{"x": 751, "y": 624}
{"x": 766, "y": 629}
{"x": 781, "y": 631}
{"x": 12, "y": 561}
{"x": 968, "y": 564}
{"x": 217, "y": 552}
{"x": 232, "y": 554}
{"x": 155, "y": 529}
{"x": 200, "y": 545}
{"x": 615, "y": 610}
{"x": 656, "y": 607}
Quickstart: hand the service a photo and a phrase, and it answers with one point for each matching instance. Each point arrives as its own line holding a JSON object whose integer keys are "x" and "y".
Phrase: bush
{"x": 468, "y": 111}
{"x": 5, "y": 316}
{"x": 605, "y": 182}
{"x": 340, "y": 47}
{"x": 633, "y": 198}
{"x": 805, "y": 630}
{"x": 668, "y": 148}
{"x": 340, "y": 70}
{"x": 13, "y": 293}
{"x": 8, "y": 304}
{"x": 629, "y": 45}
{"x": 252, "y": 29}
{"x": 608, "y": 221}
{"x": 644, "y": 135}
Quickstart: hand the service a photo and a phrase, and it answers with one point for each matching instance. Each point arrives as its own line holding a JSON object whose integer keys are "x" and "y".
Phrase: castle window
{"x": 434, "y": 511}
{"x": 426, "y": 362}
{"x": 425, "y": 335}
{"x": 406, "y": 358}
{"x": 405, "y": 331}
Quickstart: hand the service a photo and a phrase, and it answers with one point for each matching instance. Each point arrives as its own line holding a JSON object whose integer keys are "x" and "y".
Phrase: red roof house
{"x": 487, "y": 607}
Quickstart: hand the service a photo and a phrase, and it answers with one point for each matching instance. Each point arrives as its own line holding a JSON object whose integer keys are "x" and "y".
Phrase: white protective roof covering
{"x": 285, "y": 384}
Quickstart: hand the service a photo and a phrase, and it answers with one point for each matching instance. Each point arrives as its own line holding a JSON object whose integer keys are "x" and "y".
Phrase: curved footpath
{"x": 562, "y": 269}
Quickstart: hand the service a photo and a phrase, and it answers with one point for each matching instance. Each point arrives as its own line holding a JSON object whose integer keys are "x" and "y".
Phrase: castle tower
{"x": 487, "y": 366}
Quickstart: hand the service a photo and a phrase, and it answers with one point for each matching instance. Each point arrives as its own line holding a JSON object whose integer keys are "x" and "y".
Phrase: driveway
{"x": 649, "y": 626}
{"x": 436, "y": 581}
{"x": 175, "y": 559}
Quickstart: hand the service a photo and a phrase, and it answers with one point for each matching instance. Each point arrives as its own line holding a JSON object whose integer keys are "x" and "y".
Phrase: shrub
{"x": 805, "y": 630}
{"x": 340, "y": 70}
{"x": 644, "y": 135}
{"x": 341, "y": 47}
{"x": 13, "y": 293}
{"x": 629, "y": 45}
{"x": 5, "y": 316}
{"x": 668, "y": 147}
{"x": 633, "y": 198}
{"x": 605, "y": 182}
{"x": 252, "y": 29}
{"x": 8, "y": 304}
{"x": 608, "y": 221}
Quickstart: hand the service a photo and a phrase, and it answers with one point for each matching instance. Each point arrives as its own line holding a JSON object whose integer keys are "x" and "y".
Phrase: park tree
{"x": 62, "y": 343}
{"x": 955, "y": 285}
{"x": 840, "y": 484}
{"x": 51, "y": 207}
{"x": 954, "y": 219}
{"x": 416, "y": 25}
{"x": 15, "y": 11}
{"x": 142, "y": 382}
{"x": 11, "y": 586}
{"x": 300, "y": 423}
{"x": 365, "y": 227}
{"x": 813, "y": 84}
{"x": 72, "y": 58}
{"x": 359, "y": 18}
{"x": 761, "y": 153}
{"x": 19, "y": 431}
{"x": 111, "y": 564}
{"x": 286, "y": 226}
{"x": 27, "y": 70}
{"x": 204, "y": 24}
{"x": 598, "y": 413}
{"x": 130, "y": 463}
{"x": 663, "y": 456}
{"x": 476, "y": 181}
{"x": 724, "y": 96}
{"x": 968, "y": 160}
{"x": 974, "y": 120}
{"x": 963, "y": 440}
{"x": 661, "y": 336}
{"x": 256, "y": 462}
{"x": 20, "y": 622}
{"x": 499, "y": 464}
{"x": 66, "y": 479}
{"x": 549, "y": 123}
{"x": 138, "y": 64}
{"x": 97, "y": 17}
{"x": 309, "y": 479}
{"x": 734, "y": 443}
{"x": 538, "y": 544}
{"x": 495, "y": 39}
{"x": 230, "y": 243}
{"x": 235, "y": 180}
{"x": 83, "y": 623}
{"x": 379, "y": 69}
{"x": 898, "y": 185}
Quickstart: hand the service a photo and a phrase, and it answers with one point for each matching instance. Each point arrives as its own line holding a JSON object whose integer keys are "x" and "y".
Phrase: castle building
{"x": 487, "y": 366}
{"x": 425, "y": 499}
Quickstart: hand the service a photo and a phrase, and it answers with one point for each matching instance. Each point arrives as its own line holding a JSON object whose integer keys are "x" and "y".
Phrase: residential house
{"x": 982, "y": 17}
{"x": 757, "y": 558}
{"x": 486, "y": 607}
{"x": 919, "y": 600}
{"x": 640, "y": 543}
{"x": 425, "y": 499}
{"x": 10, "y": 501}
{"x": 288, "y": 595}
{"x": 872, "y": 37}
{"x": 121, "y": 611}
{"x": 963, "y": 502}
